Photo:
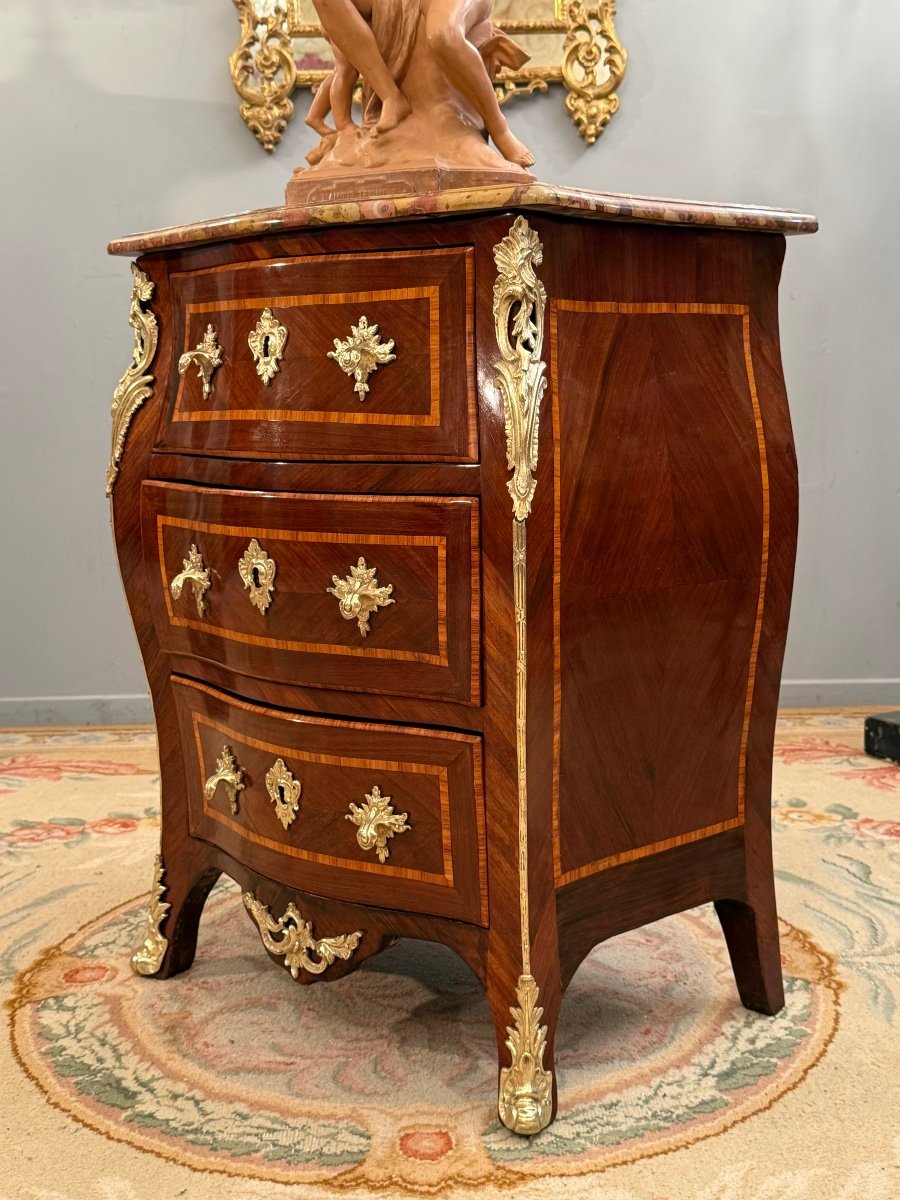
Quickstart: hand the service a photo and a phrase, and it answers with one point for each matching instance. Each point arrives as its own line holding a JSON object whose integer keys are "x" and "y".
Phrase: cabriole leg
{"x": 173, "y": 917}
{"x": 751, "y": 933}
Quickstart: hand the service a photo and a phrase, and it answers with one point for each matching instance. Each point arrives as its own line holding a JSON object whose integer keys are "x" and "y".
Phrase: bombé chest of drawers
{"x": 459, "y": 548}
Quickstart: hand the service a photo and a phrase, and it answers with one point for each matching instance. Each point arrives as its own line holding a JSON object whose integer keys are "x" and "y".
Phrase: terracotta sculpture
{"x": 429, "y": 105}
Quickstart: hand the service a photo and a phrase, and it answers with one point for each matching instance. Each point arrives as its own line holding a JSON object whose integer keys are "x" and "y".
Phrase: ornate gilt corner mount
{"x": 206, "y": 356}
{"x": 377, "y": 822}
{"x": 197, "y": 573}
{"x": 519, "y": 303}
{"x": 263, "y": 71}
{"x": 137, "y": 383}
{"x": 361, "y": 354}
{"x": 284, "y": 792}
{"x": 267, "y": 342}
{"x": 257, "y": 572}
{"x": 297, "y": 939}
{"x": 526, "y": 1089}
{"x": 147, "y": 959}
{"x": 227, "y": 772}
{"x": 593, "y": 65}
{"x": 359, "y": 594}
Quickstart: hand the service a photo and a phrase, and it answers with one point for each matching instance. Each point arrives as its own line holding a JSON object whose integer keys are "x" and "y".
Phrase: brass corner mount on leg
{"x": 525, "y": 1102}
{"x": 147, "y": 959}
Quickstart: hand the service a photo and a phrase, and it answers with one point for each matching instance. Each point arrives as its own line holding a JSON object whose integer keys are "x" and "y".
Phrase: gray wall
{"x": 120, "y": 116}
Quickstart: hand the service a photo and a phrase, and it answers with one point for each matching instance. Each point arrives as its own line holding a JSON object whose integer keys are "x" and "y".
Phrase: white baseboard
{"x": 76, "y": 710}
{"x": 131, "y": 709}
{"x": 834, "y": 693}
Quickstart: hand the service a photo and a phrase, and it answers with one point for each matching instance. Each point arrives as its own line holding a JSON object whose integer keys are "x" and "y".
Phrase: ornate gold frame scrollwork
{"x": 577, "y": 47}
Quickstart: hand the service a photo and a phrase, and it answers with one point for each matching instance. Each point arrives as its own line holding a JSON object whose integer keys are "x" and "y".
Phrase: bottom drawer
{"x": 319, "y": 805}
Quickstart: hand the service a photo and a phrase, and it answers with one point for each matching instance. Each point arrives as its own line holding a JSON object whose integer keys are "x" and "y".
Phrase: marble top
{"x": 602, "y": 206}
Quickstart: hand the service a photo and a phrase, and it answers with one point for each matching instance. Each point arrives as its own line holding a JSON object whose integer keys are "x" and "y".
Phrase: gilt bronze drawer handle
{"x": 360, "y": 594}
{"x": 197, "y": 572}
{"x": 377, "y": 822}
{"x": 284, "y": 791}
{"x": 206, "y": 357}
{"x": 297, "y": 940}
{"x": 267, "y": 342}
{"x": 228, "y": 772}
{"x": 257, "y": 571}
{"x": 362, "y": 353}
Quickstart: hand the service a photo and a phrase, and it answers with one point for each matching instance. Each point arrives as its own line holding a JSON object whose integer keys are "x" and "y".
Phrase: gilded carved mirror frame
{"x": 572, "y": 42}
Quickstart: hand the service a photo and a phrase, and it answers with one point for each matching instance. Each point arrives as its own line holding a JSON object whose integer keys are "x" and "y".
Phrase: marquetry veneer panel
{"x": 424, "y": 642}
{"x": 672, "y": 451}
{"x": 421, "y": 405}
{"x": 435, "y": 777}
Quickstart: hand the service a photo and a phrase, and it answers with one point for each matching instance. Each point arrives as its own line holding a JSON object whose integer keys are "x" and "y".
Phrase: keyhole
{"x": 281, "y": 796}
{"x": 266, "y": 346}
{"x": 255, "y": 577}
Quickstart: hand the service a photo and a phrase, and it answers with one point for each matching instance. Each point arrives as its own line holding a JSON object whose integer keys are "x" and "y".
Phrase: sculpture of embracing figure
{"x": 429, "y": 104}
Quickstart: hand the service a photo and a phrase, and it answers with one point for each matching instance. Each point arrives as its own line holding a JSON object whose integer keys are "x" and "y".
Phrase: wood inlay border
{"x": 363, "y": 416}
{"x": 298, "y": 535}
{"x": 742, "y": 311}
{"x": 290, "y": 755}
{"x": 474, "y": 741}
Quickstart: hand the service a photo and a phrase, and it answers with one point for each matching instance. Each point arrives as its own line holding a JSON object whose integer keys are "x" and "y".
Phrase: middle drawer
{"x": 362, "y": 593}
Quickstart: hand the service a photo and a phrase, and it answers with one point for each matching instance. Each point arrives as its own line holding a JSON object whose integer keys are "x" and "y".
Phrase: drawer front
{"x": 377, "y": 814}
{"x": 302, "y": 398}
{"x": 366, "y": 593}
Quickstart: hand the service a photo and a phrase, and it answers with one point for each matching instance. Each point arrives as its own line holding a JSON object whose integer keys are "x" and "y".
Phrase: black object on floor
{"x": 882, "y": 736}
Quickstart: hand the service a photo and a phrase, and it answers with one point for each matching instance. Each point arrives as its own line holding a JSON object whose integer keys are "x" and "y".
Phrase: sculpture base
{"x": 307, "y": 188}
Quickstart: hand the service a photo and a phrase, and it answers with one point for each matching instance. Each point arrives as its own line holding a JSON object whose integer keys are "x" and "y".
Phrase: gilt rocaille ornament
{"x": 267, "y": 341}
{"x": 360, "y": 594}
{"x": 205, "y": 356}
{"x": 284, "y": 792}
{"x": 296, "y": 939}
{"x": 136, "y": 385}
{"x": 229, "y": 773}
{"x": 519, "y": 303}
{"x": 361, "y": 354}
{"x": 377, "y": 823}
{"x": 526, "y": 1088}
{"x": 257, "y": 572}
{"x": 147, "y": 959}
{"x": 195, "y": 572}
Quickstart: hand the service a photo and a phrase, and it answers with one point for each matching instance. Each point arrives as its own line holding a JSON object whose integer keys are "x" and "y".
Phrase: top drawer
{"x": 420, "y": 405}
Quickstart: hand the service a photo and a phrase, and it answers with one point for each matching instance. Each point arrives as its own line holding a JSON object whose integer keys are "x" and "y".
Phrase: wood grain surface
{"x": 436, "y": 777}
{"x": 422, "y": 404}
{"x": 426, "y": 641}
{"x": 660, "y": 551}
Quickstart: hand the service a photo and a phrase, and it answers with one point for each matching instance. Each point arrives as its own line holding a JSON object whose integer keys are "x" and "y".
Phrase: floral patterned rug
{"x": 231, "y": 1082}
